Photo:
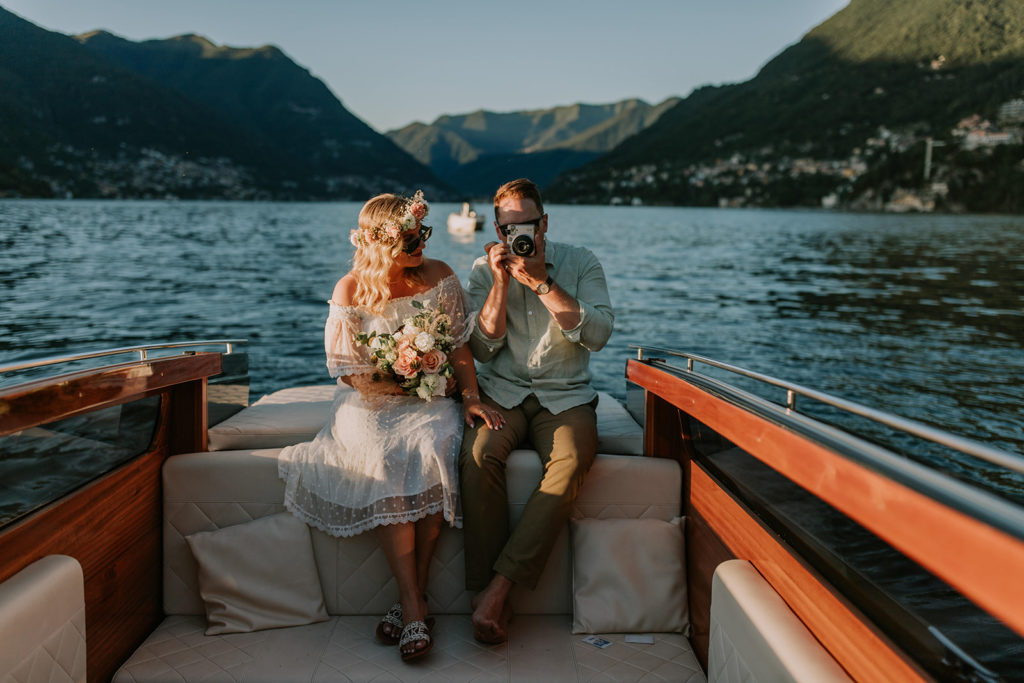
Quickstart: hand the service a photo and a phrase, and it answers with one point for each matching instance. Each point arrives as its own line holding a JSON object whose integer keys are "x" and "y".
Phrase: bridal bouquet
{"x": 415, "y": 355}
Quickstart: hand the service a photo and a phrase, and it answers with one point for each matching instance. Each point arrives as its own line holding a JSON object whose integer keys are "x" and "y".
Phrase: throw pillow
{"x": 629, "y": 576}
{"x": 258, "y": 575}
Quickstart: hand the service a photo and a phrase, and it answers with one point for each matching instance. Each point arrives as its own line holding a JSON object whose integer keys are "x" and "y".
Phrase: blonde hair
{"x": 373, "y": 259}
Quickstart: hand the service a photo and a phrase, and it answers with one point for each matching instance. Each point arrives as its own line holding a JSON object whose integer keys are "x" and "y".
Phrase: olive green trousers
{"x": 566, "y": 443}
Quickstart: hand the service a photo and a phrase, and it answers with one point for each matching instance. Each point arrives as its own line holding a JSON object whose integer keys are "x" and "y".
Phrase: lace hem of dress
{"x": 347, "y": 521}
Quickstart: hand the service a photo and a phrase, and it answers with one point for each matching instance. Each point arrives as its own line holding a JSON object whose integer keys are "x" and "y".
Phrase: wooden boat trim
{"x": 865, "y": 653}
{"x": 982, "y": 562}
{"x": 56, "y": 398}
{"x": 112, "y": 525}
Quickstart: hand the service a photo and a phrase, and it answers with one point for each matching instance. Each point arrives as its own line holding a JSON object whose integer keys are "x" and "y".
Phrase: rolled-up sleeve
{"x": 596, "y": 315}
{"x": 483, "y": 347}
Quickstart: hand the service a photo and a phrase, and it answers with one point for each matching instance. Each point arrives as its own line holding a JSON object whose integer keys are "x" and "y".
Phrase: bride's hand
{"x": 368, "y": 386}
{"x": 474, "y": 407}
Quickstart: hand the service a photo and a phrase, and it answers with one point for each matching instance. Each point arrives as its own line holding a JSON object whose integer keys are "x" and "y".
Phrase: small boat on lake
{"x": 465, "y": 222}
{"x": 710, "y": 540}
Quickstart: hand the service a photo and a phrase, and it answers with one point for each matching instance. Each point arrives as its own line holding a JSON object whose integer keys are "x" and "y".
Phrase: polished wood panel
{"x": 865, "y": 653}
{"x": 35, "y": 403}
{"x": 665, "y": 435}
{"x": 704, "y": 552}
{"x": 188, "y": 419}
{"x": 112, "y": 525}
{"x": 981, "y": 562}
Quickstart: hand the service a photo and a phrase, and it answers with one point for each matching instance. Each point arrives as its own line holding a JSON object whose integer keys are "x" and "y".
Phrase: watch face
{"x": 543, "y": 288}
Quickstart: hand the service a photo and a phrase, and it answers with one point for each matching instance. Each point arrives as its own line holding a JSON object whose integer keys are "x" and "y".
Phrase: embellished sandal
{"x": 394, "y": 619}
{"x": 413, "y": 632}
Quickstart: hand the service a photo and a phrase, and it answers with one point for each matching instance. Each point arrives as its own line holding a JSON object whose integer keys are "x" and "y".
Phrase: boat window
{"x": 903, "y": 599}
{"x": 41, "y": 464}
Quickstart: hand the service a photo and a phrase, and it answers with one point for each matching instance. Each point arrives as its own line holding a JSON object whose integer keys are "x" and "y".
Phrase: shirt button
{"x": 529, "y": 313}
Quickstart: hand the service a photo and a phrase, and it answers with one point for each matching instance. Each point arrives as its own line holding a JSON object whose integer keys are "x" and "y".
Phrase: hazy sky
{"x": 392, "y": 62}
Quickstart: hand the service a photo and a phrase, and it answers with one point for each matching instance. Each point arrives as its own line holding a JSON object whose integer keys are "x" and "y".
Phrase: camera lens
{"x": 522, "y": 245}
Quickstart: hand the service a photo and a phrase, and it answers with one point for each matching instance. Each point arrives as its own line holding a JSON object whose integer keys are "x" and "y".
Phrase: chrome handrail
{"x": 143, "y": 351}
{"x": 971, "y": 447}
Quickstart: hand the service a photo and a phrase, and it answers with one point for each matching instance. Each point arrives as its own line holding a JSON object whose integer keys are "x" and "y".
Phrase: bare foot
{"x": 491, "y": 614}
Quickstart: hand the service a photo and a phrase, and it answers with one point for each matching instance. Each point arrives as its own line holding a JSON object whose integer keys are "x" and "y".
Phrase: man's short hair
{"x": 522, "y": 188}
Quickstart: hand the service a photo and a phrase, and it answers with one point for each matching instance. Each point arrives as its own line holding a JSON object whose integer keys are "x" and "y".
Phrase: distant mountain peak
{"x": 246, "y": 122}
{"x": 473, "y": 151}
{"x": 964, "y": 32}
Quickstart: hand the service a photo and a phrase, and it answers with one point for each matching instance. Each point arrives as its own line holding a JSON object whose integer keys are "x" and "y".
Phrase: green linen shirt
{"x": 535, "y": 356}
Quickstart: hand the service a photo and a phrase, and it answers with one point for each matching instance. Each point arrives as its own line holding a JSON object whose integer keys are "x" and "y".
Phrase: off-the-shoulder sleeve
{"x": 452, "y": 299}
{"x": 344, "y": 355}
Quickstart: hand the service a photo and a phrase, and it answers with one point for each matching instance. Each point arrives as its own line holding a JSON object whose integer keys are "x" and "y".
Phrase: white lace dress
{"x": 390, "y": 460}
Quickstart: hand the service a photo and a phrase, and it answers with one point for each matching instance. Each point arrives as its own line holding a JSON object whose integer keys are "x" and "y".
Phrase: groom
{"x": 542, "y": 311}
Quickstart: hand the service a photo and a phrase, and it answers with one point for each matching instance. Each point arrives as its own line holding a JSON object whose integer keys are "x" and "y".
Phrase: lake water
{"x": 919, "y": 315}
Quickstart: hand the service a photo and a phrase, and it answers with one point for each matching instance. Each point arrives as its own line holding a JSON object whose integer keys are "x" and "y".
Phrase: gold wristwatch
{"x": 545, "y": 287}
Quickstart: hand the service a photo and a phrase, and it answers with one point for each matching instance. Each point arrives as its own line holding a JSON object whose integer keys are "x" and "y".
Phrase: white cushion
{"x": 207, "y": 491}
{"x": 283, "y": 418}
{"x": 42, "y": 622}
{"x": 258, "y": 575}
{"x": 617, "y": 431}
{"x": 628, "y": 576}
{"x": 294, "y": 415}
{"x": 756, "y": 637}
{"x": 539, "y": 648}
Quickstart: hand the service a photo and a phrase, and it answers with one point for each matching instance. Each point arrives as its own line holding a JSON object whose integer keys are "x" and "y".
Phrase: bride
{"x": 387, "y": 458}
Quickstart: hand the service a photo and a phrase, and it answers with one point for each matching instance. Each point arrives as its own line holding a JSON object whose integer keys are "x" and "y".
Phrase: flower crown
{"x": 390, "y": 231}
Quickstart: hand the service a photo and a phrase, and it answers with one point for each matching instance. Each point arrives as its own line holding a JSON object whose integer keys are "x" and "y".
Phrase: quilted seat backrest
{"x": 208, "y": 491}
{"x": 42, "y": 622}
{"x": 756, "y": 637}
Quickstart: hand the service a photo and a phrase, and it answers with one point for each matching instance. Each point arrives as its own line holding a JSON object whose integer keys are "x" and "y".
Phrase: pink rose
{"x": 403, "y": 345}
{"x": 393, "y": 232}
{"x": 406, "y": 363}
{"x": 418, "y": 210}
{"x": 432, "y": 361}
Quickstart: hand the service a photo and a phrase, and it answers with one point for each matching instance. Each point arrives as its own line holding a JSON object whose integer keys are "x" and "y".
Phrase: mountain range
{"x": 860, "y": 93}
{"x": 884, "y": 105}
{"x": 476, "y": 152}
{"x": 98, "y": 115}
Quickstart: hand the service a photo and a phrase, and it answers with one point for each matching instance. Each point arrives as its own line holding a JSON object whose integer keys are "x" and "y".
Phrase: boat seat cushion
{"x": 628, "y": 576}
{"x": 539, "y": 648}
{"x": 208, "y": 491}
{"x": 756, "y": 637}
{"x": 42, "y": 622}
{"x": 294, "y": 415}
{"x": 257, "y": 575}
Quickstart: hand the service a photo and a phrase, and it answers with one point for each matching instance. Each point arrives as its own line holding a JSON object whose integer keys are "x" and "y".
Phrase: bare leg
{"x": 428, "y": 530}
{"x": 398, "y": 541}
{"x": 491, "y": 611}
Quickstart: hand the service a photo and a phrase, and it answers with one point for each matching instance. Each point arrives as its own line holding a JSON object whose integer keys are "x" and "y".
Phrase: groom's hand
{"x": 529, "y": 270}
{"x": 498, "y": 256}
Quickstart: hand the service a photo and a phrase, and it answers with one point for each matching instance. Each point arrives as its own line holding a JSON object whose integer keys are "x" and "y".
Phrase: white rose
{"x": 430, "y": 386}
{"x": 425, "y": 390}
{"x": 410, "y": 330}
{"x": 424, "y": 341}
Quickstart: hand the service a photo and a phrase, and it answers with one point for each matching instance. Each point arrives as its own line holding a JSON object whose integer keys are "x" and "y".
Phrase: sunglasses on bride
{"x": 411, "y": 244}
